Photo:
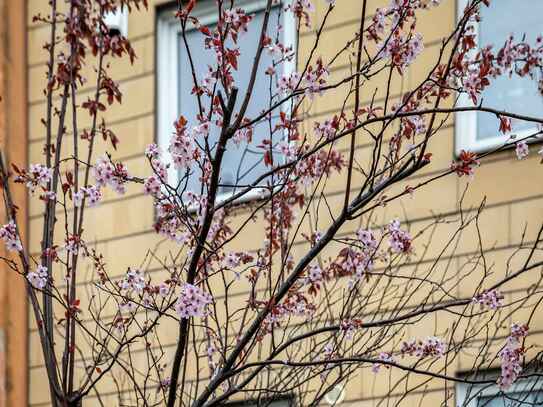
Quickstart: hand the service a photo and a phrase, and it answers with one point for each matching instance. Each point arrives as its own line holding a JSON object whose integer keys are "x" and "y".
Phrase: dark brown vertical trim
{"x": 14, "y": 143}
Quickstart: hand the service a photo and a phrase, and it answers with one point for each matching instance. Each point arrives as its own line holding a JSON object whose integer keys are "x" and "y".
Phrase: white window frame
{"x": 484, "y": 390}
{"x": 466, "y": 122}
{"x": 167, "y": 58}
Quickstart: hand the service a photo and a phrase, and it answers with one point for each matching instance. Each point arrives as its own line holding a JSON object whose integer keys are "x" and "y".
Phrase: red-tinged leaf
{"x": 268, "y": 159}
{"x": 15, "y": 168}
{"x": 114, "y": 140}
{"x": 190, "y": 6}
{"x": 232, "y": 58}
{"x": 505, "y": 124}
{"x": 205, "y": 30}
{"x": 70, "y": 178}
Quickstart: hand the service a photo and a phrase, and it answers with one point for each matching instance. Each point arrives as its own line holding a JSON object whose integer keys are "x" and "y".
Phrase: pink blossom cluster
{"x": 119, "y": 325}
{"x": 326, "y": 354}
{"x": 430, "y": 347}
{"x": 128, "y": 307}
{"x": 474, "y": 83}
{"x": 400, "y": 47}
{"x": 168, "y": 223}
{"x": 163, "y": 289}
{"x": 402, "y": 50}
{"x": 107, "y": 173}
{"x": 313, "y": 80}
{"x": 211, "y": 351}
{"x": 152, "y": 185}
{"x": 511, "y": 52}
{"x": 233, "y": 23}
{"x": 201, "y": 130}
{"x": 466, "y": 164}
{"x": 8, "y": 233}
{"x": 289, "y": 82}
{"x": 192, "y": 302}
{"x": 357, "y": 262}
{"x": 518, "y": 331}
{"x": 48, "y": 195}
{"x": 38, "y": 175}
{"x": 243, "y": 135}
{"x": 378, "y": 25}
{"x": 328, "y": 128}
{"x": 208, "y": 81}
{"x": 312, "y": 168}
{"x": 164, "y": 383}
{"x": 413, "y": 125}
{"x": 522, "y": 150}
{"x": 398, "y": 5}
{"x": 134, "y": 280}
{"x": 72, "y": 244}
{"x": 383, "y": 357}
{"x": 231, "y": 260}
{"x": 279, "y": 51}
{"x": 288, "y": 149}
{"x": 510, "y": 356}
{"x": 182, "y": 146}
{"x": 352, "y": 262}
{"x": 492, "y": 299}
{"x": 302, "y": 9}
{"x": 296, "y": 304}
{"x": 92, "y": 193}
{"x": 237, "y": 19}
{"x": 476, "y": 69}
{"x": 367, "y": 238}
{"x": 152, "y": 151}
{"x": 275, "y": 49}
{"x": 399, "y": 240}
{"x": 349, "y": 327}
{"x": 38, "y": 278}
{"x": 315, "y": 273}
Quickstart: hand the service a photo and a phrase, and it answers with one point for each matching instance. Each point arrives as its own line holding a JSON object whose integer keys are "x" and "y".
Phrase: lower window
{"x": 279, "y": 402}
{"x": 524, "y": 393}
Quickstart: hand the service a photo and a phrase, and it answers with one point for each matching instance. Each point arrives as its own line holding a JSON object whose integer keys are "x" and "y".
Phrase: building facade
{"x": 123, "y": 226}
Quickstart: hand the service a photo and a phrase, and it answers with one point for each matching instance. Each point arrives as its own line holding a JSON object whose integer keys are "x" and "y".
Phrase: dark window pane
{"x": 516, "y": 94}
{"x": 244, "y": 163}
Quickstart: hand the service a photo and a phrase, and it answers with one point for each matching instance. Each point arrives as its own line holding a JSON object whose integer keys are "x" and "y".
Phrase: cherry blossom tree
{"x": 334, "y": 287}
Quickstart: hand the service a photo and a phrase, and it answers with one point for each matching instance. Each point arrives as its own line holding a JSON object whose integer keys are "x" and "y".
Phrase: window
{"x": 524, "y": 393}
{"x": 242, "y": 163}
{"x": 280, "y": 402}
{"x": 476, "y": 131}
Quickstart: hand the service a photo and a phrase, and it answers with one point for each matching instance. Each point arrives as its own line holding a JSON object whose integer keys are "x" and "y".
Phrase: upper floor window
{"x": 243, "y": 161}
{"x": 477, "y": 131}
